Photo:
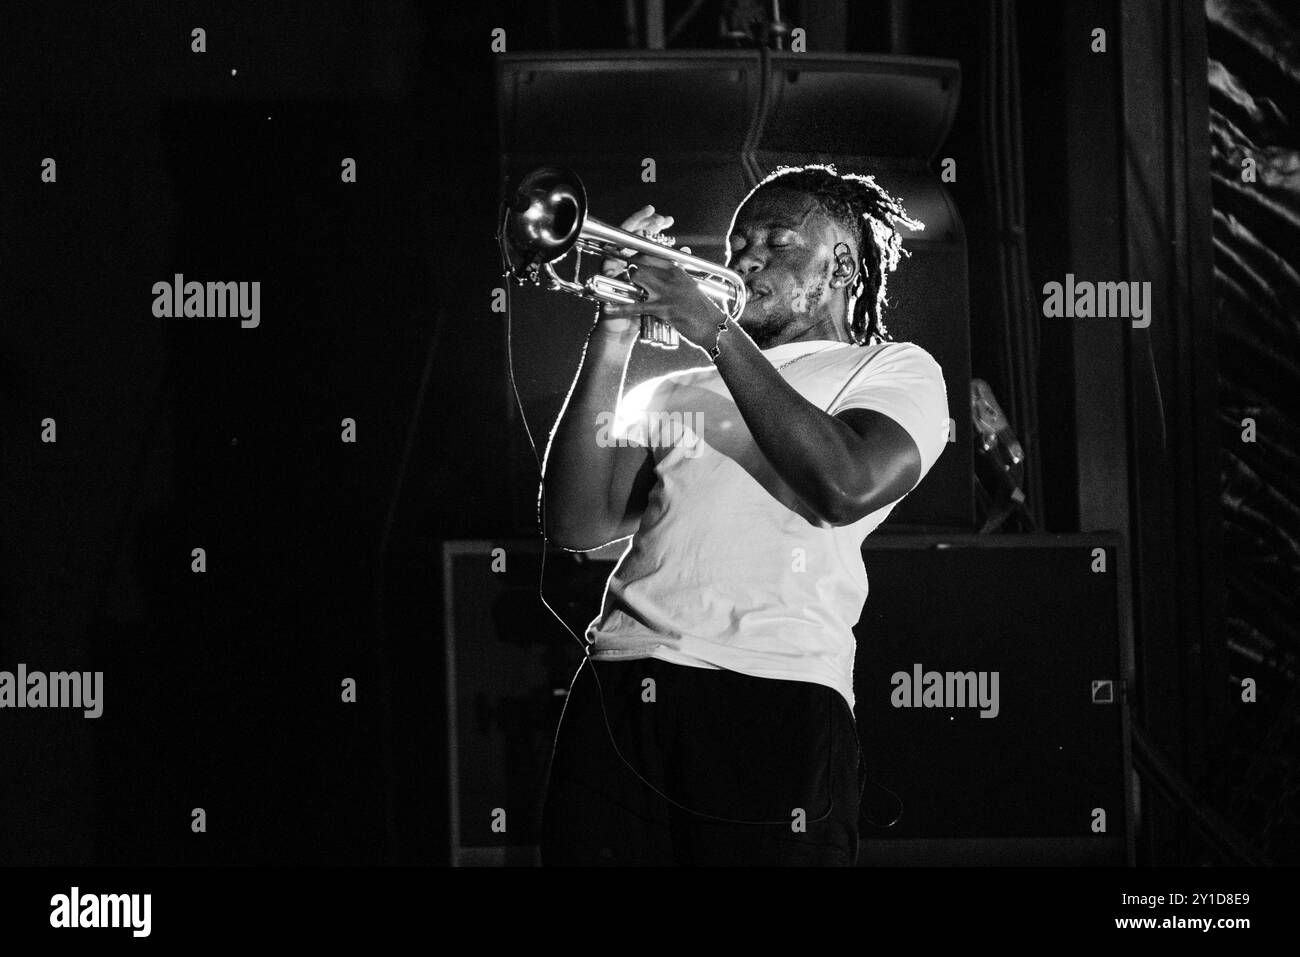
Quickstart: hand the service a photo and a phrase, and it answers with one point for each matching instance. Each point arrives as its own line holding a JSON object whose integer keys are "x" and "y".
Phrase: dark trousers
{"x": 751, "y": 771}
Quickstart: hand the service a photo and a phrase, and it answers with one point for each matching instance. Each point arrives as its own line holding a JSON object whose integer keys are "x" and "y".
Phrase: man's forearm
{"x": 577, "y": 471}
{"x": 817, "y": 455}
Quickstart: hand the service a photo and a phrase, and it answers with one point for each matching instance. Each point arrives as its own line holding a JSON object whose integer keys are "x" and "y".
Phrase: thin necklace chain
{"x": 796, "y": 359}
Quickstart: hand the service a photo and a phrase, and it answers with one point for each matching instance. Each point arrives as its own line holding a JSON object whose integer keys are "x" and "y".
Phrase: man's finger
{"x": 650, "y": 261}
{"x": 638, "y": 219}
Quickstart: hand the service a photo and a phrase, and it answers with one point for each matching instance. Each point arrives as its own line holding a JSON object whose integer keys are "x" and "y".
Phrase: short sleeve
{"x": 904, "y": 382}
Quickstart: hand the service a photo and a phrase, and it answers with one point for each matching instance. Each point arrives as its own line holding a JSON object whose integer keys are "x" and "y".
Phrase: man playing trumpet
{"x": 712, "y": 722}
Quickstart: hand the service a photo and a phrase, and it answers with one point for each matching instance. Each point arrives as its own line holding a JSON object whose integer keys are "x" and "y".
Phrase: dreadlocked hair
{"x": 871, "y": 214}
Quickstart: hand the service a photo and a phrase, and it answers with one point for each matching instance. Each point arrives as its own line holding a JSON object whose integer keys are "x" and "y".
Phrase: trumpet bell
{"x": 545, "y": 218}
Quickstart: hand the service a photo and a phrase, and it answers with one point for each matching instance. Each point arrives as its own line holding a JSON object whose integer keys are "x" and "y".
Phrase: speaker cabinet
{"x": 991, "y": 684}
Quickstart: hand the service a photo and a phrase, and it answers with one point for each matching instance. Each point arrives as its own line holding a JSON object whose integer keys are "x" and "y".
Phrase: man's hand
{"x": 646, "y": 222}
{"x": 673, "y": 297}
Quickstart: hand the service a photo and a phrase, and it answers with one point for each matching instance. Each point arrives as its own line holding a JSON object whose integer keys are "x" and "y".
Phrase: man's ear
{"x": 846, "y": 266}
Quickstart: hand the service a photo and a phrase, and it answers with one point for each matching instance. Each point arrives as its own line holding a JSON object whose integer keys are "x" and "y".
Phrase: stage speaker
{"x": 991, "y": 684}
{"x": 735, "y": 116}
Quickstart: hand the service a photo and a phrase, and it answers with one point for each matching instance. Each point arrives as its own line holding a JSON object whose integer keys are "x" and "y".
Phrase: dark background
{"x": 222, "y": 690}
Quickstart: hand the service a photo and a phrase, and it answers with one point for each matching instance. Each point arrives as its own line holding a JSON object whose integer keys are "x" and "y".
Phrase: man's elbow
{"x": 851, "y": 499}
{"x": 840, "y": 507}
{"x": 563, "y": 535}
{"x": 560, "y": 522}
{"x": 576, "y": 537}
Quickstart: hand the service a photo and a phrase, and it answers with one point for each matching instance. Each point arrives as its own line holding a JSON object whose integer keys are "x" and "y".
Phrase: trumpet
{"x": 546, "y": 218}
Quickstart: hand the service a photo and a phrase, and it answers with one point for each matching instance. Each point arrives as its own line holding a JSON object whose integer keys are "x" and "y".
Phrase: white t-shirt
{"x": 728, "y": 568}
